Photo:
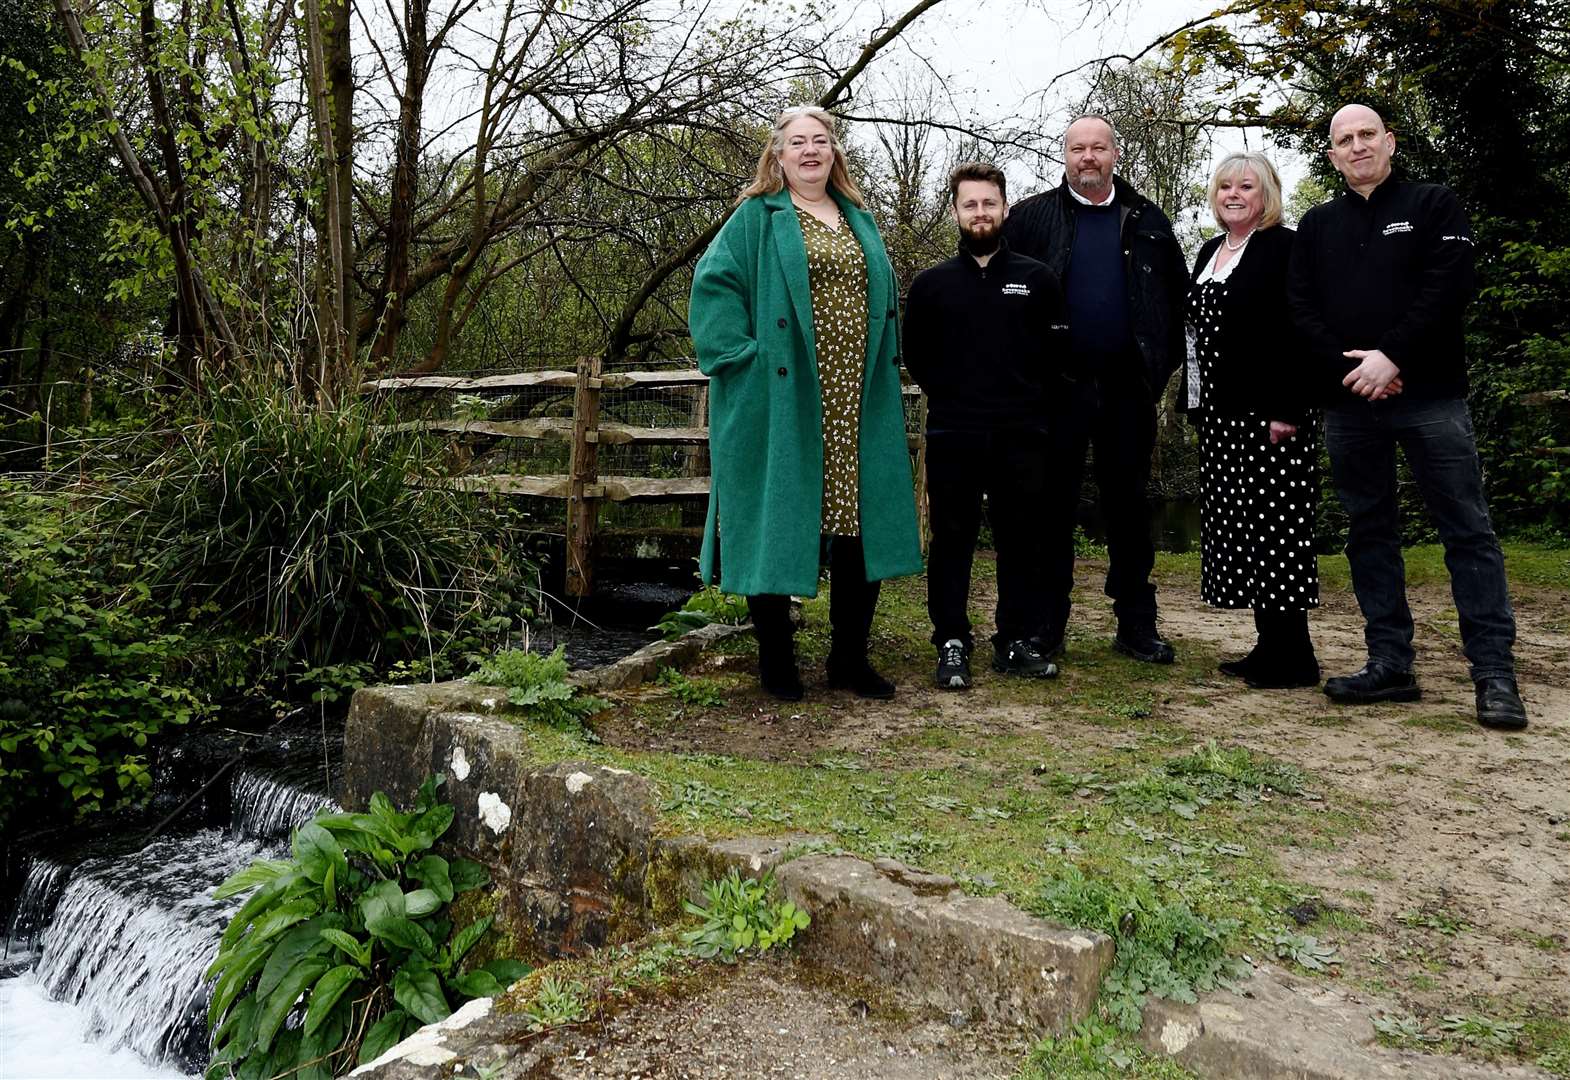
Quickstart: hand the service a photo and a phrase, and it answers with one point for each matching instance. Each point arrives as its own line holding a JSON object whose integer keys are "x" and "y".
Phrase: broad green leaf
{"x": 420, "y": 902}
{"x": 329, "y": 988}
{"x": 467, "y": 937}
{"x": 258, "y": 873}
{"x": 235, "y": 978}
{"x": 358, "y": 951}
{"x": 264, "y": 897}
{"x": 330, "y": 886}
{"x": 429, "y": 826}
{"x": 477, "y": 984}
{"x": 276, "y": 1005}
{"x": 431, "y": 871}
{"x": 318, "y": 852}
{"x": 304, "y": 940}
{"x": 384, "y": 900}
{"x": 383, "y": 1036}
{"x": 238, "y": 1031}
{"x": 466, "y": 874}
{"x": 326, "y": 1040}
{"x": 281, "y": 918}
{"x": 402, "y": 934}
{"x": 419, "y": 991}
{"x": 507, "y": 970}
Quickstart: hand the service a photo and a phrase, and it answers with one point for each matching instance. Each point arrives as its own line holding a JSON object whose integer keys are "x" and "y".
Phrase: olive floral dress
{"x": 837, "y": 275}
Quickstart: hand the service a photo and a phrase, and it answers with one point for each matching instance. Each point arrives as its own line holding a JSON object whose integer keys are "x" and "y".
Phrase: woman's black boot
{"x": 852, "y": 601}
{"x": 1286, "y": 659}
{"x": 776, "y": 646}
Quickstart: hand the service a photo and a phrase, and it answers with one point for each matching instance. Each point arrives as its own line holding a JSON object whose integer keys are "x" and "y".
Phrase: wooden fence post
{"x": 583, "y": 492}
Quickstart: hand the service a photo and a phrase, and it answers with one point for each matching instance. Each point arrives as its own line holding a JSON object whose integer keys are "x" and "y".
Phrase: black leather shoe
{"x": 1241, "y": 667}
{"x": 1144, "y": 644}
{"x": 781, "y": 680}
{"x": 858, "y": 677}
{"x": 1499, "y": 704}
{"x": 1375, "y": 682}
{"x": 1283, "y": 672}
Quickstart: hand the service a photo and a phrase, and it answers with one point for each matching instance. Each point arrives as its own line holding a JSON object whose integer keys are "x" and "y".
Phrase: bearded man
{"x": 1124, "y": 281}
{"x": 985, "y": 337}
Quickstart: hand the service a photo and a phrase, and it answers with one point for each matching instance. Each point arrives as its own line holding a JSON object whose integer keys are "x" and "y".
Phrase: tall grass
{"x": 320, "y": 534}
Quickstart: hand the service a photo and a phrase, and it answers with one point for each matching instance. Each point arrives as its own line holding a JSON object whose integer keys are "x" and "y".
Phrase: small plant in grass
{"x": 1401, "y": 1031}
{"x": 707, "y": 605}
{"x": 739, "y": 916}
{"x": 1483, "y": 1032}
{"x": 689, "y": 691}
{"x": 350, "y": 937}
{"x": 557, "y": 1002}
{"x": 538, "y": 685}
{"x": 1304, "y": 950}
{"x": 1162, "y": 949}
{"x": 1094, "y": 1050}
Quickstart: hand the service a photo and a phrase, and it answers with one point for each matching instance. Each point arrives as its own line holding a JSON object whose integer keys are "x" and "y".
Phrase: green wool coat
{"x": 751, "y": 321}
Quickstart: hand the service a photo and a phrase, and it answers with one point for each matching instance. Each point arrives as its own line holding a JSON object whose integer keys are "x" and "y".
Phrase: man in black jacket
{"x": 1124, "y": 282}
{"x": 1378, "y": 285}
{"x": 983, "y": 338}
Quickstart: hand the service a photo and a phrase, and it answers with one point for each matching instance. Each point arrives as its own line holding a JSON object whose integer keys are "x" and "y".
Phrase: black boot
{"x": 1284, "y": 658}
{"x": 852, "y": 600}
{"x": 776, "y": 646}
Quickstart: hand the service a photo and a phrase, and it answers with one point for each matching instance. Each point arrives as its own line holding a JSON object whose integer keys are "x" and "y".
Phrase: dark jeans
{"x": 1437, "y": 439}
{"x": 852, "y": 601}
{"x": 1010, "y": 468}
{"x": 1118, "y": 418}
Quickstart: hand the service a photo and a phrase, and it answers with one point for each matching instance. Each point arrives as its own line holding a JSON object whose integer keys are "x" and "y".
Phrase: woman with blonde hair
{"x": 793, "y": 319}
{"x": 1247, "y": 392}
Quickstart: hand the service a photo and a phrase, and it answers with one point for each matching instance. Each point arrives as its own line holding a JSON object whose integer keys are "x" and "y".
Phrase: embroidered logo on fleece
{"x": 1398, "y": 226}
{"x": 1014, "y": 289}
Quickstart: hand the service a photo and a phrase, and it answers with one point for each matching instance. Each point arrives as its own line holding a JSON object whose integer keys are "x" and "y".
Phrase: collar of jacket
{"x": 1388, "y": 184}
{"x": 998, "y": 255}
{"x": 1129, "y": 202}
{"x": 792, "y": 250}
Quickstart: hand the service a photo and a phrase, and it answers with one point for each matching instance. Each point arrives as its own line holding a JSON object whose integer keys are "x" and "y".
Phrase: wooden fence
{"x": 583, "y": 487}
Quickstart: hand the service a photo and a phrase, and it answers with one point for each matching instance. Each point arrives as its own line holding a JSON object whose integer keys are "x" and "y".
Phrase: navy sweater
{"x": 1094, "y": 288}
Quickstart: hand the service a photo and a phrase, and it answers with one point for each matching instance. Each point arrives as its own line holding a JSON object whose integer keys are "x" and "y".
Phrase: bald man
{"x": 1378, "y": 287}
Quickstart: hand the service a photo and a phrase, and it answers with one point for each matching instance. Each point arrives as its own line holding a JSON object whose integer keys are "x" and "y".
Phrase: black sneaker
{"x": 1499, "y": 704}
{"x": 1022, "y": 658}
{"x": 1050, "y": 643}
{"x": 1143, "y": 644}
{"x": 953, "y": 665}
{"x": 1374, "y": 683}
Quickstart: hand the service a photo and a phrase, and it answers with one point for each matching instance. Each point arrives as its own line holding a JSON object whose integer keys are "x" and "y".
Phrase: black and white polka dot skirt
{"x": 1257, "y": 515}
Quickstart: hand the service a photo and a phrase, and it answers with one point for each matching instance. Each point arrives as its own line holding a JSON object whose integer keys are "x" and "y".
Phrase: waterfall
{"x": 120, "y": 943}
{"x": 268, "y": 806}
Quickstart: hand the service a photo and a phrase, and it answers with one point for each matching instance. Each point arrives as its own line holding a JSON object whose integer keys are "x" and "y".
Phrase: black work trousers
{"x": 1009, "y": 468}
{"x": 1115, "y": 415}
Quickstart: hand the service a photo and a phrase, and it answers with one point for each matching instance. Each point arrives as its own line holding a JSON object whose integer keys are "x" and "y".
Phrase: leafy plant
{"x": 1481, "y": 1031}
{"x": 91, "y": 673}
{"x": 1095, "y": 1050}
{"x": 707, "y": 605}
{"x": 538, "y": 685}
{"x": 689, "y": 691}
{"x": 351, "y": 937}
{"x": 1162, "y": 949}
{"x": 740, "y": 916}
{"x": 556, "y": 1003}
{"x": 1304, "y": 950}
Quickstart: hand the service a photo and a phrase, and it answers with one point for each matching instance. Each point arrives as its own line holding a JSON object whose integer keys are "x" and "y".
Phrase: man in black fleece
{"x": 1378, "y": 285}
{"x": 1124, "y": 281}
{"x": 983, "y": 338}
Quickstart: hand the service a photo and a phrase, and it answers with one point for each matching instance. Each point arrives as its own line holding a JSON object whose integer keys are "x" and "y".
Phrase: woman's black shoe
{"x": 779, "y": 677}
{"x": 858, "y": 677}
{"x": 1242, "y": 666}
{"x": 1284, "y": 672}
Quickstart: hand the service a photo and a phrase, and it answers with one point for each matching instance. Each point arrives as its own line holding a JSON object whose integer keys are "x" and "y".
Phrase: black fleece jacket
{"x": 1155, "y": 272}
{"x": 1390, "y": 272}
{"x": 1260, "y": 367}
{"x": 986, "y": 343}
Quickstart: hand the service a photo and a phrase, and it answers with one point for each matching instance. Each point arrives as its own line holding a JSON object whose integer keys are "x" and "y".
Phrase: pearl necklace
{"x": 1227, "y": 240}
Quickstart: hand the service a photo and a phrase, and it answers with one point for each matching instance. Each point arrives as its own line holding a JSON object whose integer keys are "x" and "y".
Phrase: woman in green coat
{"x": 793, "y": 319}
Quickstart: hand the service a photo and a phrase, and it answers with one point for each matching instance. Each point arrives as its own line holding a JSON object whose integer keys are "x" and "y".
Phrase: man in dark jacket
{"x": 1124, "y": 281}
{"x": 1379, "y": 281}
{"x": 983, "y": 338}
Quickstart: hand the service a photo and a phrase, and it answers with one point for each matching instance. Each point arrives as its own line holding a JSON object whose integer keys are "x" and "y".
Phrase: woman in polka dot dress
{"x": 1246, "y": 391}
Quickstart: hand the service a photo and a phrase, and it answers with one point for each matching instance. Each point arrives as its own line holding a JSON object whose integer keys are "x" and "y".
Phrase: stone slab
{"x": 968, "y": 957}
{"x": 644, "y": 665}
{"x": 1284, "y": 1028}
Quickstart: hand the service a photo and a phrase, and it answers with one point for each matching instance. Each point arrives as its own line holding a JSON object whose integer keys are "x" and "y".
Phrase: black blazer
{"x": 1261, "y": 367}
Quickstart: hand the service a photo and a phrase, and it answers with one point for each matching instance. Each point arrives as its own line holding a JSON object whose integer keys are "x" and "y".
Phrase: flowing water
{"x": 103, "y": 975}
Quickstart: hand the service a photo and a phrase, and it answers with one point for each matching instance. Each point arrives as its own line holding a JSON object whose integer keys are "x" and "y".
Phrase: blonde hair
{"x": 770, "y": 178}
{"x": 1234, "y": 165}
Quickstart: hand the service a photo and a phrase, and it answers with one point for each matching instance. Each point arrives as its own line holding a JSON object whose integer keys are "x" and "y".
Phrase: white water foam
{"x": 270, "y": 807}
{"x": 43, "y": 1039}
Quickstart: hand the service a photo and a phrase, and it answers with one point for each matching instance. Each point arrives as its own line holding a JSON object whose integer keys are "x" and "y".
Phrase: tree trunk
{"x": 405, "y": 187}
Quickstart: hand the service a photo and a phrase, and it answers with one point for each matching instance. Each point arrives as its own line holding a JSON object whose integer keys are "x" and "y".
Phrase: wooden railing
{"x": 584, "y": 489}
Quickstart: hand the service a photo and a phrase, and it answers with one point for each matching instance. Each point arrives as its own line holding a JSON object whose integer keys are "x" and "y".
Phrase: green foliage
{"x": 557, "y": 1002}
{"x": 538, "y": 685}
{"x": 319, "y": 533}
{"x": 1095, "y": 1050}
{"x": 1163, "y": 949}
{"x": 740, "y": 916}
{"x": 89, "y": 668}
{"x": 351, "y": 936}
{"x": 707, "y": 605}
{"x": 689, "y": 691}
